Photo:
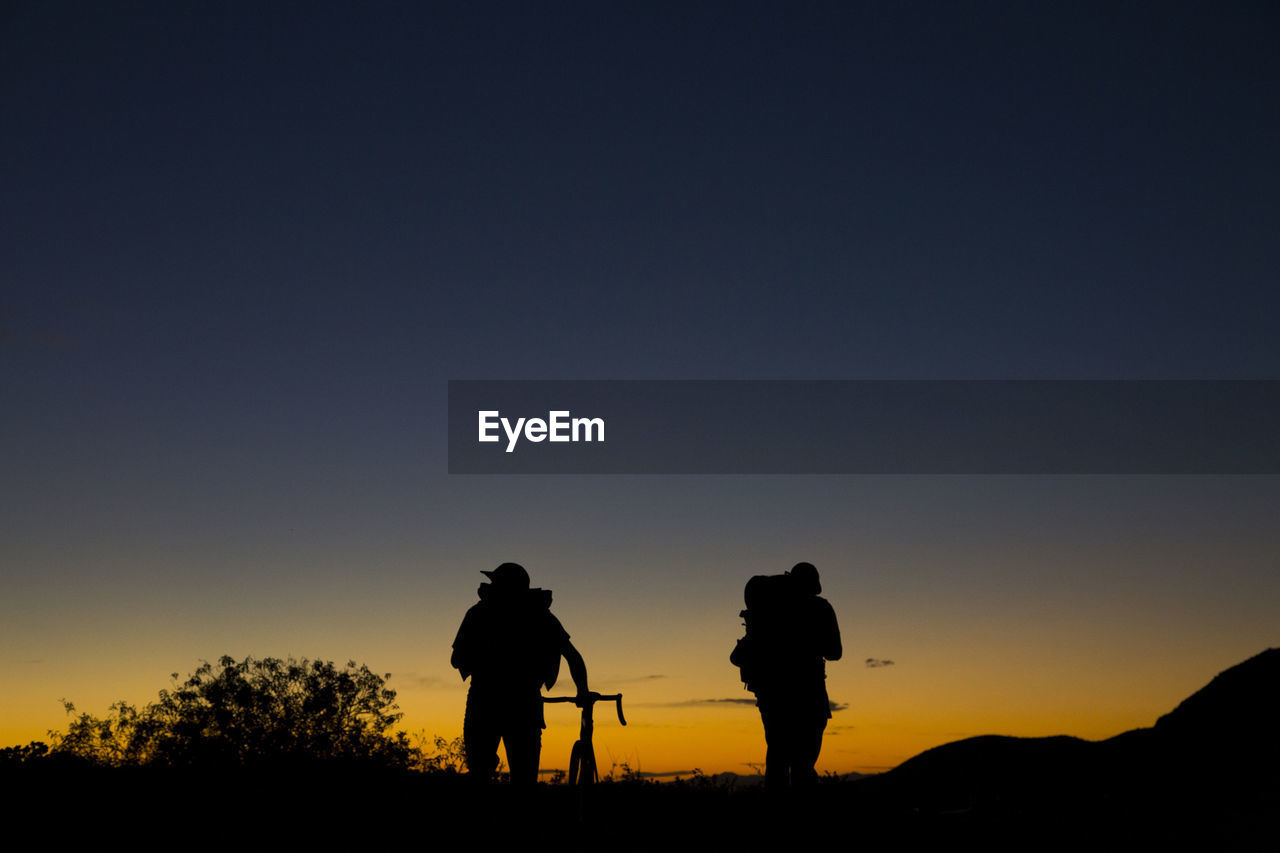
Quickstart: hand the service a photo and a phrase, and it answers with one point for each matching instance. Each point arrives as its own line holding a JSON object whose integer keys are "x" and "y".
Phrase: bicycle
{"x": 582, "y": 758}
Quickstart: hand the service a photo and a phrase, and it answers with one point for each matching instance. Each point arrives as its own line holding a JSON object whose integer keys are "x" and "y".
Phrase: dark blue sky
{"x": 332, "y": 197}
{"x": 243, "y": 247}
{"x": 255, "y": 229}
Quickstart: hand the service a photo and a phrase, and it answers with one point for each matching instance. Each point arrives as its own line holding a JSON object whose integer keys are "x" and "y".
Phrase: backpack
{"x": 510, "y": 638}
{"x": 771, "y": 620}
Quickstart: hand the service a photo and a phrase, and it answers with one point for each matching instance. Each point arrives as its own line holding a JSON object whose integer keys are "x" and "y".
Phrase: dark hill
{"x": 993, "y": 770}
{"x": 1222, "y": 742}
{"x": 1242, "y": 702}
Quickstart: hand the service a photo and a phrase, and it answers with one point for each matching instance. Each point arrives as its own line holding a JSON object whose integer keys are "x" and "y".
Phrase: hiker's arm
{"x": 461, "y": 657}
{"x": 577, "y": 667}
{"x": 831, "y": 647}
{"x": 458, "y": 662}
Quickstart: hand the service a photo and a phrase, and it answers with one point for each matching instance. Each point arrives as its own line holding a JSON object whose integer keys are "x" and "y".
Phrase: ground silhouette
{"x": 1203, "y": 774}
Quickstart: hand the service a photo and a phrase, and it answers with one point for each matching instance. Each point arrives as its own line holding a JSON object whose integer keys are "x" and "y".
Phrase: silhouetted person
{"x": 510, "y": 646}
{"x": 791, "y": 632}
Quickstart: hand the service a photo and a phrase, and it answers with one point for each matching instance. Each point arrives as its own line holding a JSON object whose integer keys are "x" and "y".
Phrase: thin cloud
{"x": 873, "y": 663}
{"x": 695, "y": 703}
{"x": 690, "y": 703}
{"x": 635, "y": 679}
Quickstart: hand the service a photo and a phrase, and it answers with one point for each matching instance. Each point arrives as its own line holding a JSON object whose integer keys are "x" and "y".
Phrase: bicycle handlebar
{"x": 589, "y": 699}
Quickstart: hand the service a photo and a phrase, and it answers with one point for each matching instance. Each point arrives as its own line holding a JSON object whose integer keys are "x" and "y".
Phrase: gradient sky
{"x": 243, "y": 249}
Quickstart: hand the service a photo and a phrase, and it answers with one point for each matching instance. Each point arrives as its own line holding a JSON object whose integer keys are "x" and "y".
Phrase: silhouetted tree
{"x": 250, "y": 711}
{"x": 115, "y": 740}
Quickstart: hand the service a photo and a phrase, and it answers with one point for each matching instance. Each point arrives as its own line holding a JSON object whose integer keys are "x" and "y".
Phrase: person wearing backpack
{"x": 791, "y": 632}
{"x": 510, "y": 645}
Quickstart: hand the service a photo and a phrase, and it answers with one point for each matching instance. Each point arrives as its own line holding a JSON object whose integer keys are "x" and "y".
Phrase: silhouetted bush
{"x": 19, "y": 755}
{"x": 250, "y": 712}
{"x": 441, "y": 757}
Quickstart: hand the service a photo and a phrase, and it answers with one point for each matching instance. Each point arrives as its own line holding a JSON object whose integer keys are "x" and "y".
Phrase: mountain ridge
{"x": 1220, "y": 741}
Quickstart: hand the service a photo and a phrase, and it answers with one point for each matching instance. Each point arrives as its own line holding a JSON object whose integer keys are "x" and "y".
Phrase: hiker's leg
{"x": 777, "y": 756}
{"x": 479, "y": 738}
{"x": 812, "y": 710}
{"x": 524, "y": 749}
{"x": 807, "y": 745}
